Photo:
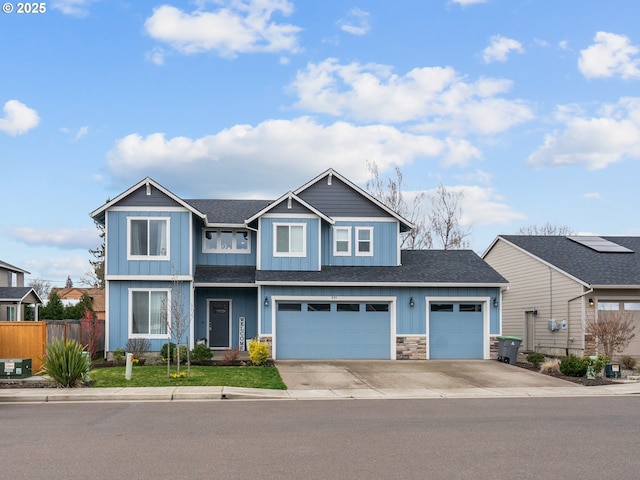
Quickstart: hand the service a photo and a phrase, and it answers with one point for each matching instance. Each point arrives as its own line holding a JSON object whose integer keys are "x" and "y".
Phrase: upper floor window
{"x": 148, "y": 238}
{"x": 149, "y": 312}
{"x": 290, "y": 240}
{"x": 342, "y": 241}
{"x": 364, "y": 241}
{"x": 226, "y": 241}
{"x": 12, "y": 279}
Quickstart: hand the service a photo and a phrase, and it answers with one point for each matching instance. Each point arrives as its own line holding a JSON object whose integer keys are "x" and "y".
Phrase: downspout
{"x": 566, "y": 350}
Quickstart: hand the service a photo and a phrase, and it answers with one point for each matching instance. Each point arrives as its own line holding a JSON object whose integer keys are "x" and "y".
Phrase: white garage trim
{"x": 310, "y": 298}
{"x": 486, "y": 318}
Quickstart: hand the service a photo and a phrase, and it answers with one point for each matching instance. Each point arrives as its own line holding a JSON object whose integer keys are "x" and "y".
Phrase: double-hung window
{"x": 148, "y": 312}
{"x": 11, "y": 313}
{"x": 148, "y": 238}
{"x": 364, "y": 241}
{"x": 290, "y": 239}
{"x": 342, "y": 241}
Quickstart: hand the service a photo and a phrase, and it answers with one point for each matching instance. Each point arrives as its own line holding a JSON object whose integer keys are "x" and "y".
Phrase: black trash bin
{"x": 508, "y": 349}
{"x": 612, "y": 370}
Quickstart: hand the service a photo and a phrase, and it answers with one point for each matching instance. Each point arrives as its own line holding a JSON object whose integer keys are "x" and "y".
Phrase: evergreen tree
{"x": 54, "y": 309}
{"x": 69, "y": 283}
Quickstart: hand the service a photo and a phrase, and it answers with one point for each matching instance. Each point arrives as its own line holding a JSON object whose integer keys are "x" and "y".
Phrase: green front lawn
{"x": 156, "y": 376}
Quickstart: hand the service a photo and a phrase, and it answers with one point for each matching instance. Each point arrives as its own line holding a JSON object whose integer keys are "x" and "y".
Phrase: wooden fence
{"x": 29, "y": 339}
{"x": 24, "y": 340}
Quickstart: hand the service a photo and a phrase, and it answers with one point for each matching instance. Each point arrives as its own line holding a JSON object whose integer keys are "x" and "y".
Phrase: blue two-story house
{"x": 316, "y": 274}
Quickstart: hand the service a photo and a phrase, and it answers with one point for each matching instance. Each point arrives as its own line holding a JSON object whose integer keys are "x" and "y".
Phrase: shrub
{"x": 65, "y": 363}
{"x": 231, "y": 356}
{"x": 164, "y": 349}
{"x": 535, "y": 359}
{"x": 201, "y": 353}
{"x": 628, "y": 362}
{"x": 258, "y": 352}
{"x": 573, "y": 366}
{"x": 118, "y": 355}
{"x": 137, "y": 346}
{"x": 598, "y": 363}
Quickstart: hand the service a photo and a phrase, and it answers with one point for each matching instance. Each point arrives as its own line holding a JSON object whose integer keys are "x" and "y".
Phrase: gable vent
{"x": 600, "y": 244}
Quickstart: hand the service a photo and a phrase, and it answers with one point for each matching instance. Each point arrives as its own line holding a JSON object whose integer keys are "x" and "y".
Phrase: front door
{"x": 219, "y": 323}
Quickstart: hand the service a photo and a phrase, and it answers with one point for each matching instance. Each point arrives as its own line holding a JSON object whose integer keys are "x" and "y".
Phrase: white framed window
{"x": 364, "y": 241}
{"x": 226, "y": 241}
{"x": 148, "y": 312}
{"x": 11, "y": 313}
{"x": 289, "y": 239}
{"x": 342, "y": 241}
{"x": 148, "y": 238}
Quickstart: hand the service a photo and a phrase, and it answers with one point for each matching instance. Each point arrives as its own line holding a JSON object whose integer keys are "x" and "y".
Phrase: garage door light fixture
{"x": 411, "y": 302}
{"x": 495, "y": 302}
{"x": 266, "y": 301}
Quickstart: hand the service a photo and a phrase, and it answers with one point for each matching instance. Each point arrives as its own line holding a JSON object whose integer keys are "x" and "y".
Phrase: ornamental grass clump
{"x": 65, "y": 363}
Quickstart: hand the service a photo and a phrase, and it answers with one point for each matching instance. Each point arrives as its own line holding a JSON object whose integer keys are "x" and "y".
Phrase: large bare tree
{"x": 439, "y": 229}
{"x": 545, "y": 229}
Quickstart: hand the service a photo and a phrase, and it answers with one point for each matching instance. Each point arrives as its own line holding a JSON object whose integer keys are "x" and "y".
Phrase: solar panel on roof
{"x": 599, "y": 244}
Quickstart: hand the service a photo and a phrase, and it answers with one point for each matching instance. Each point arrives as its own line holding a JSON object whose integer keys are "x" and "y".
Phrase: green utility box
{"x": 15, "y": 367}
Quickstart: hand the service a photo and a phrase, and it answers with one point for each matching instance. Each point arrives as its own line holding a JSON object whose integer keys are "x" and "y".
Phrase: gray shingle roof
{"x": 211, "y": 274}
{"x": 447, "y": 267}
{"x": 590, "y": 266}
{"x": 450, "y": 267}
{"x": 227, "y": 211}
{"x": 15, "y": 294}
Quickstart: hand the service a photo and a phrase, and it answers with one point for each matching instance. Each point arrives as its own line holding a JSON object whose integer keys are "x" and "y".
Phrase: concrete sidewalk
{"x": 167, "y": 394}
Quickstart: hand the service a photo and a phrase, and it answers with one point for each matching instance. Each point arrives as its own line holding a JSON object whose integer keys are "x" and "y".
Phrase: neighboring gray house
{"x": 316, "y": 274}
{"x": 14, "y": 295}
{"x": 557, "y": 284}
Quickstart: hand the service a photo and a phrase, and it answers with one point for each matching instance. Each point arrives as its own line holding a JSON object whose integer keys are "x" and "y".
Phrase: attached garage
{"x": 313, "y": 329}
{"x": 456, "y": 330}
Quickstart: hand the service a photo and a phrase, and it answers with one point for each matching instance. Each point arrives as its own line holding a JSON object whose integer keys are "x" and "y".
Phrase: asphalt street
{"x": 504, "y": 438}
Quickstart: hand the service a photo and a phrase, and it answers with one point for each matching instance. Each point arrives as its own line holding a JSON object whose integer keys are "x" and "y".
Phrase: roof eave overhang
{"x": 289, "y": 196}
{"x": 617, "y": 287}
{"x": 382, "y": 284}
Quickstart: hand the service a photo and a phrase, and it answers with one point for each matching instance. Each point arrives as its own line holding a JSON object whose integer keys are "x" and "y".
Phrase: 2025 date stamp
{"x": 24, "y": 7}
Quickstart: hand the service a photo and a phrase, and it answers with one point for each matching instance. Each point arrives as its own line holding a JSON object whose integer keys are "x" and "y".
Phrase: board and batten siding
{"x": 385, "y": 244}
{"x": 179, "y": 245}
{"x": 536, "y": 286}
{"x": 311, "y": 258}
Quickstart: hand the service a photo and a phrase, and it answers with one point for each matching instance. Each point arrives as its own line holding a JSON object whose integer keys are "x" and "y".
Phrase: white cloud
{"x": 468, "y": 2}
{"x": 238, "y": 27}
{"x": 156, "y": 55}
{"x": 356, "y": 22}
{"x": 61, "y": 238}
{"x": 56, "y": 269}
{"x": 594, "y": 142}
{"x": 437, "y": 98}
{"x": 592, "y": 196}
{"x": 269, "y": 157}
{"x": 77, "y": 8}
{"x": 499, "y": 49}
{"x": 18, "y": 118}
{"x": 82, "y": 131}
{"x": 460, "y": 152}
{"x": 609, "y": 56}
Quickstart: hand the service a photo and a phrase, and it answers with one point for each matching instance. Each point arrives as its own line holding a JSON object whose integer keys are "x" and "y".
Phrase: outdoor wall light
{"x": 591, "y": 302}
{"x": 266, "y": 301}
{"x": 495, "y": 302}
{"x": 411, "y": 302}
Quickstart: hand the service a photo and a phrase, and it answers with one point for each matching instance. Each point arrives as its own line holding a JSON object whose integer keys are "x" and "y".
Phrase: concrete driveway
{"x": 409, "y": 375}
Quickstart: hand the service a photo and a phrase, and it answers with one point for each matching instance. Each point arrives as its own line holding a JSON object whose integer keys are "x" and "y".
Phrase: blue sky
{"x": 530, "y": 108}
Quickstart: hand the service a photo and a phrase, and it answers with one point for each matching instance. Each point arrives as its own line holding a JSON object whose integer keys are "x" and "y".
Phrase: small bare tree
{"x": 41, "y": 287}
{"x": 179, "y": 325}
{"x": 444, "y": 219}
{"x": 612, "y": 331}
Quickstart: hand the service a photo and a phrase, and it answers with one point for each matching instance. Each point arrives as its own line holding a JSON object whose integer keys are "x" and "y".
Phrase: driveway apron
{"x": 409, "y": 374}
